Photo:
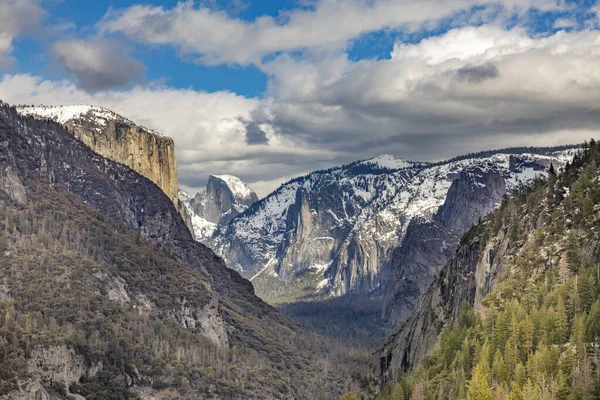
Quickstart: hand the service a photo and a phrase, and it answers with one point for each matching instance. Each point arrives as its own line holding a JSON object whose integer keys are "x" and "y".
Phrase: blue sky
{"x": 268, "y": 90}
{"x": 162, "y": 64}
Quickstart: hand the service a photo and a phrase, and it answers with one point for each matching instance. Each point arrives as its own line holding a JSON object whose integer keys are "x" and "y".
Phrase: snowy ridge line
{"x": 357, "y": 205}
{"x": 67, "y": 113}
{"x": 546, "y": 152}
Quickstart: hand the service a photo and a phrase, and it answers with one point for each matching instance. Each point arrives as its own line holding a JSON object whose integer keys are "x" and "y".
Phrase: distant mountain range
{"x": 381, "y": 225}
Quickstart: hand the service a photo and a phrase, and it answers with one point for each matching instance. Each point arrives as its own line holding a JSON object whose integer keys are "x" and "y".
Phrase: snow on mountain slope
{"x": 388, "y": 161}
{"x": 351, "y": 218}
{"x": 224, "y": 197}
{"x": 69, "y": 113}
{"x": 238, "y": 188}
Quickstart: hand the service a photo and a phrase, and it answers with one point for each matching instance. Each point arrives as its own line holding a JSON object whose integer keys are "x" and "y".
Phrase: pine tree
{"x": 592, "y": 329}
{"x": 478, "y": 387}
{"x": 499, "y": 368}
{"x": 586, "y": 291}
{"x": 397, "y": 392}
{"x": 561, "y": 321}
{"x": 531, "y": 391}
{"x": 515, "y": 393}
{"x": 520, "y": 375}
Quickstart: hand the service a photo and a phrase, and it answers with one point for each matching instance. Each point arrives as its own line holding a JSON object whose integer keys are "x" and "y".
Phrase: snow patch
{"x": 203, "y": 229}
{"x": 236, "y": 185}
{"x": 321, "y": 267}
{"x": 322, "y": 284}
{"x": 389, "y": 161}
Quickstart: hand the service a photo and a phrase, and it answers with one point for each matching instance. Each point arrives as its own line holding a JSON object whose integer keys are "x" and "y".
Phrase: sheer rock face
{"x": 429, "y": 244}
{"x": 224, "y": 198}
{"x": 472, "y": 272}
{"x": 10, "y": 182}
{"x": 112, "y": 136}
{"x": 439, "y": 304}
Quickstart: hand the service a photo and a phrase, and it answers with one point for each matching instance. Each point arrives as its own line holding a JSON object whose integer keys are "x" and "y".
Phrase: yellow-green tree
{"x": 479, "y": 388}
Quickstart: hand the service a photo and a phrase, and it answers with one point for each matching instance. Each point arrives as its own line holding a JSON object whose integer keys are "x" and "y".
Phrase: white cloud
{"x": 216, "y": 38}
{"x": 478, "y": 85}
{"x": 565, "y": 23}
{"x": 17, "y": 17}
{"x": 98, "y": 64}
{"x": 466, "y": 90}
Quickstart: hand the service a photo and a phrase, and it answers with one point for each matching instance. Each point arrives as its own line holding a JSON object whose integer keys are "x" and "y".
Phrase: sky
{"x": 271, "y": 89}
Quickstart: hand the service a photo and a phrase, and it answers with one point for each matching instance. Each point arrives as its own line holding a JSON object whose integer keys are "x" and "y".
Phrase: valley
{"x": 299, "y": 200}
{"x": 170, "y": 297}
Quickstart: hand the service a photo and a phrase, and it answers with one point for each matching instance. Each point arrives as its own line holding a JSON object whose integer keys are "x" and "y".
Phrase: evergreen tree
{"x": 397, "y": 392}
{"x": 478, "y": 387}
{"x": 515, "y": 393}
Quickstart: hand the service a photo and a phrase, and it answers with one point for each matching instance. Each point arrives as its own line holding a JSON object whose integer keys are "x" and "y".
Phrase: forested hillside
{"x": 521, "y": 319}
{"x": 105, "y": 294}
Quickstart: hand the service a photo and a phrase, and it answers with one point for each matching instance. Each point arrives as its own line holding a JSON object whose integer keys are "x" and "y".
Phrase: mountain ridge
{"x": 111, "y": 135}
{"x": 302, "y": 197}
{"x": 524, "y": 267}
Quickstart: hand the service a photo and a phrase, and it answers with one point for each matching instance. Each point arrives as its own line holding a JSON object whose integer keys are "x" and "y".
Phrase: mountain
{"x": 224, "y": 198}
{"x": 355, "y": 229}
{"x": 515, "y": 311}
{"x": 104, "y": 293}
{"x": 119, "y": 139}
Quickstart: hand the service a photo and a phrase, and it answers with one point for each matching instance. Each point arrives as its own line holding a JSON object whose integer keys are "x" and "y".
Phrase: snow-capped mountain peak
{"x": 184, "y": 196}
{"x": 238, "y": 187}
{"x": 64, "y": 114}
{"x": 224, "y": 198}
{"x": 69, "y": 113}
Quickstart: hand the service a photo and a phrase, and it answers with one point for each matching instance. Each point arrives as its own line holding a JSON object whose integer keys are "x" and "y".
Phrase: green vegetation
{"x": 537, "y": 334}
{"x": 60, "y": 261}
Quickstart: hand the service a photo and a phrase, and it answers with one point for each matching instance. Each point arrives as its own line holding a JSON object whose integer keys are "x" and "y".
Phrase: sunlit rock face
{"x": 117, "y": 138}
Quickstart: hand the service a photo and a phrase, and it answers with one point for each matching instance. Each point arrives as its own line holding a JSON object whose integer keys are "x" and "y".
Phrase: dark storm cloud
{"x": 478, "y": 73}
{"x": 254, "y": 134}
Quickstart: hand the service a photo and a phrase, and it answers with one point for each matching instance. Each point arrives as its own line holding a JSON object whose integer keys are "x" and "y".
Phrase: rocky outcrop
{"x": 50, "y": 366}
{"x": 224, "y": 198}
{"x": 10, "y": 182}
{"x": 112, "y": 136}
{"x": 429, "y": 244}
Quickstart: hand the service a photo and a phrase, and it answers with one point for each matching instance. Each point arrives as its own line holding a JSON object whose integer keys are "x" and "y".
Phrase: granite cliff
{"x": 360, "y": 228}
{"x": 542, "y": 239}
{"x": 224, "y": 198}
{"x": 119, "y": 139}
